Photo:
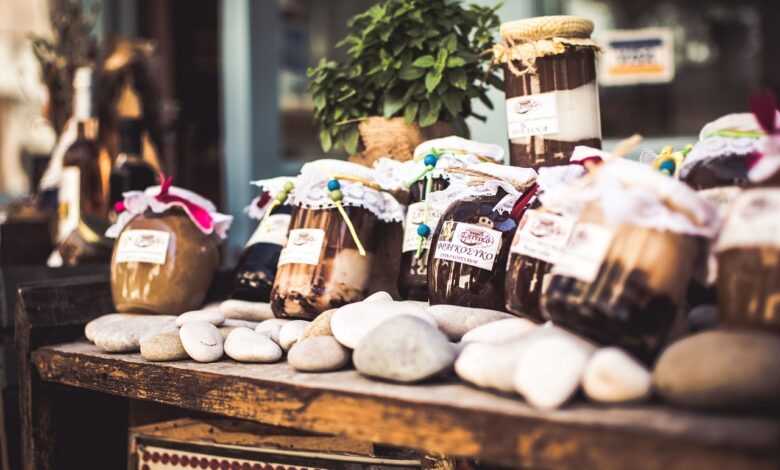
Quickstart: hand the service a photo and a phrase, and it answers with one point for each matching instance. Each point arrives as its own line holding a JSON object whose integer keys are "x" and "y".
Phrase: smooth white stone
{"x": 455, "y": 321}
{"x": 489, "y": 365}
{"x": 291, "y": 332}
{"x": 232, "y": 322}
{"x": 92, "y": 326}
{"x": 271, "y": 328}
{"x": 352, "y": 322}
{"x": 380, "y": 296}
{"x": 612, "y": 376}
{"x": 213, "y": 316}
{"x": 501, "y": 331}
{"x": 550, "y": 368}
{"x": 165, "y": 346}
{"x": 126, "y": 335}
{"x": 318, "y": 354}
{"x": 243, "y": 310}
{"x": 202, "y": 341}
{"x": 404, "y": 349}
{"x": 245, "y": 345}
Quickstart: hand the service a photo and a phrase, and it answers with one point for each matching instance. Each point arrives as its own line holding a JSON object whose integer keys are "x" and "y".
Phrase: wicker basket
{"x": 395, "y": 138}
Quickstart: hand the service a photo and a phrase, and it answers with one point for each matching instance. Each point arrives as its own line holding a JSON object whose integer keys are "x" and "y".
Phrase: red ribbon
{"x": 764, "y": 108}
{"x": 519, "y": 209}
{"x": 594, "y": 159}
{"x": 197, "y": 214}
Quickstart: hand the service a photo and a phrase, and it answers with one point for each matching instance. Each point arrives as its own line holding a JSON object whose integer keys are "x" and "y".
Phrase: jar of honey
{"x": 327, "y": 261}
{"x": 167, "y": 250}
{"x": 552, "y": 101}
{"x": 470, "y": 244}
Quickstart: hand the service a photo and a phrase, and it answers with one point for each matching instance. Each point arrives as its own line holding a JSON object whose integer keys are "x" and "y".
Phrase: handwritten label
{"x": 304, "y": 246}
{"x": 470, "y": 244}
{"x": 532, "y": 115}
{"x": 272, "y": 229}
{"x": 143, "y": 246}
{"x": 753, "y": 221}
{"x": 542, "y": 235}
{"x": 415, "y": 215}
{"x": 585, "y": 252}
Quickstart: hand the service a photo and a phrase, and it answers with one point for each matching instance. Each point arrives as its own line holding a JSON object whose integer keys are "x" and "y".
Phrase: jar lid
{"x": 457, "y": 146}
{"x": 271, "y": 188}
{"x": 358, "y": 185}
{"x": 516, "y": 176}
{"x": 547, "y": 27}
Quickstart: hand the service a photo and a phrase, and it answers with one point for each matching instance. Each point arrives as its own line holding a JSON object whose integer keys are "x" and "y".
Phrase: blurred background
{"x": 224, "y": 90}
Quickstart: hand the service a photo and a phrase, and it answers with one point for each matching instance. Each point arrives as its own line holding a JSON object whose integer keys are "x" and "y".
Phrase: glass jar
{"x": 321, "y": 268}
{"x": 162, "y": 263}
{"x": 552, "y": 101}
{"x": 413, "y": 281}
{"x": 748, "y": 254}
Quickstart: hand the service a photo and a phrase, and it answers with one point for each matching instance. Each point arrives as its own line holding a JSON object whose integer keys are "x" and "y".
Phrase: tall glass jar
{"x": 471, "y": 242}
{"x": 552, "y": 101}
{"x": 325, "y": 264}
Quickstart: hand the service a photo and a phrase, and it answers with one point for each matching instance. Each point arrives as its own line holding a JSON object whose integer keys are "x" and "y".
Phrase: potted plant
{"x": 412, "y": 70}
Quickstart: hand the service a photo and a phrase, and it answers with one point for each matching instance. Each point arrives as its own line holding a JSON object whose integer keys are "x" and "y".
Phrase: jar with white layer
{"x": 552, "y": 101}
{"x": 327, "y": 261}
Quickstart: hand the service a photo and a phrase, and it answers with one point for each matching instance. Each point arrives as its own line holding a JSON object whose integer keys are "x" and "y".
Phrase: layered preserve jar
{"x": 552, "y": 101}
{"x": 470, "y": 244}
{"x": 430, "y": 171}
{"x": 748, "y": 254}
{"x": 623, "y": 276}
{"x": 540, "y": 239}
{"x": 327, "y": 261}
{"x": 256, "y": 269}
{"x": 167, "y": 250}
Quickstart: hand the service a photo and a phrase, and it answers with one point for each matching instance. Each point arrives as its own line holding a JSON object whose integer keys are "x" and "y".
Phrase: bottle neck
{"x": 82, "y": 104}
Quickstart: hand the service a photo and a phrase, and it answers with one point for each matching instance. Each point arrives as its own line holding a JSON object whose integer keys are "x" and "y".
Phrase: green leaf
{"x": 457, "y": 78}
{"x": 425, "y": 61}
{"x": 428, "y": 115}
{"x": 441, "y": 60}
{"x": 453, "y": 101}
{"x": 451, "y": 42}
{"x": 325, "y": 140}
{"x": 392, "y": 105}
{"x": 319, "y": 101}
{"x": 410, "y": 111}
{"x": 453, "y": 62}
{"x": 411, "y": 73}
{"x": 432, "y": 80}
{"x": 351, "y": 137}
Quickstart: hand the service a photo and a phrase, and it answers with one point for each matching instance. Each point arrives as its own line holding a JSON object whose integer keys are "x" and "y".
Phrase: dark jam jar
{"x": 470, "y": 246}
{"x": 256, "y": 269}
{"x": 551, "y": 91}
{"x": 413, "y": 280}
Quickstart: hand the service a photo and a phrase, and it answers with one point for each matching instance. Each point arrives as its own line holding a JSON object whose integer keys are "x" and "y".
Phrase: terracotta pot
{"x": 382, "y": 137}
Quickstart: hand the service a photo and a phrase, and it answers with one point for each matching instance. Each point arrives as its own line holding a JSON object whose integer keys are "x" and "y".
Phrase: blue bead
{"x": 423, "y": 230}
{"x": 333, "y": 185}
{"x": 430, "y": 160}
{"x": 668, "y": 165}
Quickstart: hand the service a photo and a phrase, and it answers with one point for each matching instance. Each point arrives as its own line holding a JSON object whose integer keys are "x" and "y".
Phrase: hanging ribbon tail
{"x": 198, "y": 214}
{"x": 752, "y": 159}
{"x": 351, "y": 228}
{"x": 263, "y": 200}
{"x": 165, "y": 184}
{"x": 764, "y": 106}
{"x": 519, "y": 209}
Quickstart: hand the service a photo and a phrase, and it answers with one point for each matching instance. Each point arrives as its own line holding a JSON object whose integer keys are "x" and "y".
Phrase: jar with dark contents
{"x": 748, "y": 254}
{"x": 413, "y": 281}
{"x": 338, "y": 207}
{"x": 622, "y": 279}
{"x": 721, "y": 156}
{"x": 552, "y": 97}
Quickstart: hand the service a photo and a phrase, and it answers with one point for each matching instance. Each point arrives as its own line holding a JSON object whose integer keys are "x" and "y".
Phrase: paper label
{"x": 272, "y": 229}
{"x": 542, "y": 235}
{"x": 634, "y": 57}
{"x": 69, "y": 201}
{"x": 532, "y": 115}
{"x": 754, "y": 220}
{"x": 470, "y": 244}
{"x": 585, "y": 252}
{"x": 143, "y": 246}
{"x": 304, "y": 246}
{"x": 415, "y": 215}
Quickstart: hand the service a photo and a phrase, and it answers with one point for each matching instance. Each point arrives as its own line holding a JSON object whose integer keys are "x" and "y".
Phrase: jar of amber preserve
{"x": 256, "y": 268}
{"x": 327, "y": 261}
{"x": 470, "y": 245}
{"x": 167, "y": 250}
{"x": 540, "y": 238}
{"x": 623, "y": 275}
{"x": 430, "y": 171}
{"x": 552, "y": 101}
{"x": 748, "y": 253}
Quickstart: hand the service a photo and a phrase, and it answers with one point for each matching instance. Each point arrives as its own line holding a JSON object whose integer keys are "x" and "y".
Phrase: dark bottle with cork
{"x": 130, "y": 171}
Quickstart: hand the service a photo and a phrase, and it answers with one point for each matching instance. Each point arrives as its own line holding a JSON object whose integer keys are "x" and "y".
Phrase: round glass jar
{"x": 321, "y": 268}
{"x": 748, "y": 254}
{"x": 552, "y": 99}
{"x": 162, "y": 263}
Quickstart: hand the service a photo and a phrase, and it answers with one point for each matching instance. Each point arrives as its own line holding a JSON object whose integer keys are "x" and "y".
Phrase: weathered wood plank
{"x": 448, "y": 418}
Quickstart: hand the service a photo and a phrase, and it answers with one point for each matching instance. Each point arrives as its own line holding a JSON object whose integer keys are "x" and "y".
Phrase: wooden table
{"x": 445, "y": 417}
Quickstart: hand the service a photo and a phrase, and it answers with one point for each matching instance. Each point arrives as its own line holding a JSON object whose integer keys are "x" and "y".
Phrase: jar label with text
{"x": 585, "y": 252}
{"x": 470, "y": 244}
{"x": 415, "y": 215}
{"x": 272, "y": 229}
{"x": 532, "y": 115}
{"x": 542, "y": 235}
{"x": 754, "y": 221}
{"x": 304, "y": 246}
{"x": 143, "y": 246}
{"x": 69, "y": 201}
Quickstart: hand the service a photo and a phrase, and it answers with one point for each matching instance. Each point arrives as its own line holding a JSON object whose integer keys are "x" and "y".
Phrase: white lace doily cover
{"x": 634, "y": 193}
{"x": 272, "y": 186}
{"x": 138, "y": 202}
{"x": 311, "y": 189}
{"x": 710, "y": 146}
{"x": 454, "y": 152}
{"x": 769, "y": 163}
{"x": 582, "y": 152}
